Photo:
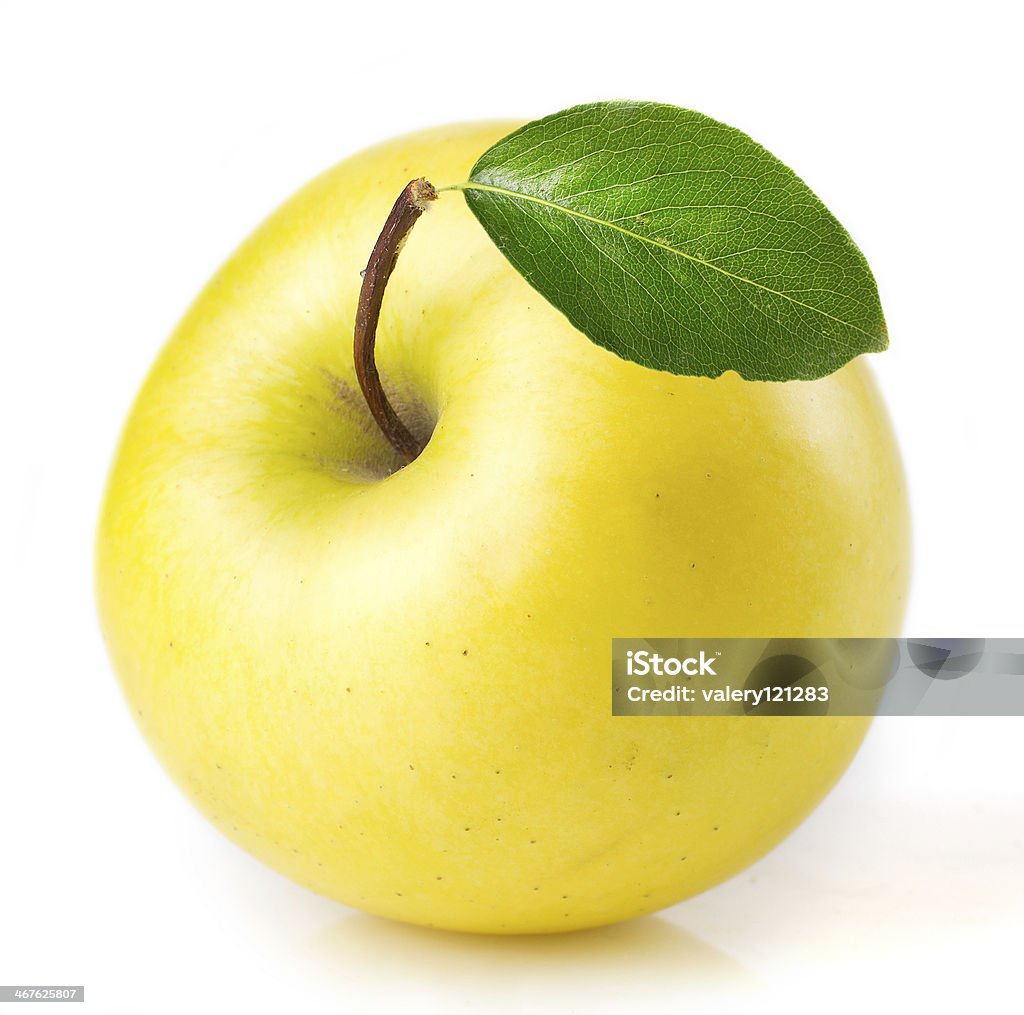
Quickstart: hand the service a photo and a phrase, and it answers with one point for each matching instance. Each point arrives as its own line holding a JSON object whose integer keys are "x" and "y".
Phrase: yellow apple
{"x": 393, "y": 684}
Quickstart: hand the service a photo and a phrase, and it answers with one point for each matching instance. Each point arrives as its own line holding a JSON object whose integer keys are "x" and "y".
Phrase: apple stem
{"x": 411, "y": 204}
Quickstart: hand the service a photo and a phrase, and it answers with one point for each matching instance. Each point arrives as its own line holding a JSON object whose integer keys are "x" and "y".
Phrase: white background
{"x": 141, "y": 142}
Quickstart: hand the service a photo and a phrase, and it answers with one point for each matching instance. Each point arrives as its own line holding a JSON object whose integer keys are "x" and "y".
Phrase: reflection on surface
{"x": 593, "y": 968}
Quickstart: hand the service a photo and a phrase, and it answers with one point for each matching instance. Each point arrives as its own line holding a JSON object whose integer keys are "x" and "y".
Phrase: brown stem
{"x": 411, "y": 204}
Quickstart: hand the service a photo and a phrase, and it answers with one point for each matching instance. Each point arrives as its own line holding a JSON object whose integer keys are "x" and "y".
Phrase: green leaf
{"x": 678, "y": 242}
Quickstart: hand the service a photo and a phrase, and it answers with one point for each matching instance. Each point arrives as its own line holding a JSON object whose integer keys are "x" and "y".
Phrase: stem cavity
{"x": 411, "y": 204}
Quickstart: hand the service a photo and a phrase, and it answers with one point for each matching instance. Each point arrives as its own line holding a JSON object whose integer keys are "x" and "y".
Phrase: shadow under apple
{"x": 604, "y": 966}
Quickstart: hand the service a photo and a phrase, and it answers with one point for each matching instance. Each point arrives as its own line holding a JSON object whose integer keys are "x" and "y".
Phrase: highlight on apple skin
{"x": 392, "y": 684}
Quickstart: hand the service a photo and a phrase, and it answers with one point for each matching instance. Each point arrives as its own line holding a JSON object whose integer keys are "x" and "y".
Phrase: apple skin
{"x": 394, "y": 686}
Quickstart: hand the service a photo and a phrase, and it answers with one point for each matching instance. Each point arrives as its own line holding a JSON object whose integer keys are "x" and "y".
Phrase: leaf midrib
{"x": 517, "y": 195}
